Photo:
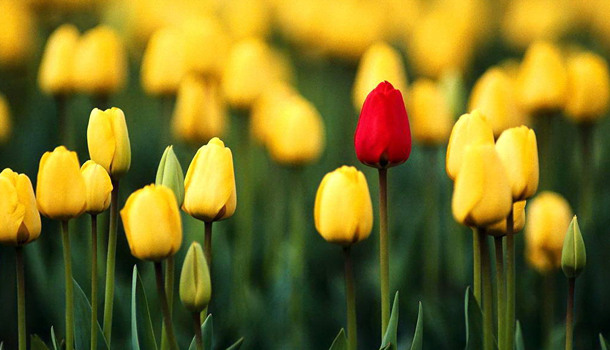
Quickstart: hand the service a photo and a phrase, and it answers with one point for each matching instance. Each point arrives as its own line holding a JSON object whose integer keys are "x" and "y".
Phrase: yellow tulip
{"x": 494, "y": 95}
{"x": 380, "y": 62}
{"x": 163, "y": 64}
{"x": 248, "y": 18}
{"x": 481, "y": 195}
{"x": 151, "y": 219}
{"x": 518, "y": 150}
{"x": 99, "y": 186}
{"x": 5, "y": 120}
{"x": 19, "y": 217}
{"x": 200, "y": 112}
{"x": 60, "y": 188}
{"x": 100, "y": 65}
{"x": 542, "y": 84}
{"x": 469, "y": 129}
{"x": 429, "y": 113}
{"x": 297, "y": 134}
{"x": 549, "y": 216}
{"x": 343, "y": 212}
{"x": 499, "y": 228}
{"x": 17, "y": 32}
{"x": 195, "y": 283}
{"x": 588, "y": 88}
{"x": 264, "y": 110}
{"x": 207, "y": 45}
{"x": 108, "y": 141}
{"x": 209, "y": 186}
{"x": 55, "y": 76}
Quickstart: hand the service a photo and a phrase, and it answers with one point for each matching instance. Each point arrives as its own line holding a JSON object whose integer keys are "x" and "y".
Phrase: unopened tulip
{"x": 588, "y": 89}
{"x": 574, "y": 254}
{"x": 265, "y": 110}
{"x": 209, "y": 186}
{"x": 542, "y": 84}
{"x": 207, "y": 45}
{"x": 17, "y": 32}
{"x": 519, "y": 153}
{"x": 343, "y": 212}
{"x": 499, "y": 228}
{"x": 151, "y": 219}
{"x": 469, "y": 129}
{"x": 195, "y": 283}
{"x": 60, "y": 188}
{"x": 100, "y": 65}
{"x": 430, "y": 113}
{"x": 170, "y": 175}
{"x": 99, "y": 186}
{"x": 163, "y": 64}
{"x": 481, "y": 195}
{"x": 380, "y": 62}
{"x": 5, "y": 120}
{"x": 383, "y": 135}
{"x": 55, "y": 76}
{"x": 19, "y": 217}
{"x": 108, "y": 141}
{"x": 549, "y": 216}
{"x": 297, "y": 135}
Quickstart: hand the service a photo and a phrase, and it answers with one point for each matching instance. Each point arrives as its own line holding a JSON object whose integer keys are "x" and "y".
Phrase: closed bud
{"x": 195, "y": 283}
{"x": 430, "y": 113}
{"x": 5, "y": 120}
{"x": 99, "y": 186}
{"x": 588, "y": 88}
{"x": 518, "y": 150}
{"x": 499, "y": 228}
{"x": 343, "y": 212}
{"x": 108, "y": 141}
{"x": 19, "y": 217}
{"x": 209, "y": 186}
{"x": 60, "y": 187}
{"x": 574, "y": 254}
{"x": 163, "y": 64}
{"x": 169, "y": 174}
{"x": 469, "y": 129}
{"x": 151, "y": 219}
{"x": 55, "y": 76}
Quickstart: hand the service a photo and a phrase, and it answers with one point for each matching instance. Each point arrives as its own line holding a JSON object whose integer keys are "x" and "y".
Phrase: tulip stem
{"x": 197, "y": 329}
{"x": 21, "y": 297}
{"x": 487, "y": 291}
{"x": 476, "y": 257}
{"x": 169, "y": 290}
{"x": 501, "y": 292}
{"x": 110, "y": 261}
{"x": 69, "y": 287}
{"x": 207, "y": 252}
{"x": 384, "y": 254}
{"x": 570, "y": 314}
{"x": 94, "y": 321}
{"x": 350, "y": 295}
{"x": 167, "y": 317}
{"x": 510, "y": 284}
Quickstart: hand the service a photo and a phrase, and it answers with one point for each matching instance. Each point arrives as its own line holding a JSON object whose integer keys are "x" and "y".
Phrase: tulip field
{"x": 266, "y": 174}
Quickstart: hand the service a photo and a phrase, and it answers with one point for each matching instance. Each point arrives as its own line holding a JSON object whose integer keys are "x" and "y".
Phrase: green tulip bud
{"x": 195, "y": 284}
{"x": 169, "y": 174}
{"x": 574, "y": 255}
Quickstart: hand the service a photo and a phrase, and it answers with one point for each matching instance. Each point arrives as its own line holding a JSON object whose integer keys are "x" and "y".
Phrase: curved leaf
{"x": 390, "y": 336}
{"x": 340, "y": 342}
{"x": 418, "y": 336}
{"x": 37, "y": 344}
{"x": 82, "y": 321}
{"x": 474, "y": 322}
{"x": 236, "y": 345}
{"x": 54, "y": 339}
{"x": 519, "y": 343}
{"x": 207, "y": 330}
{"x": 142, "y": 334}
{"x": 603, "y": 342}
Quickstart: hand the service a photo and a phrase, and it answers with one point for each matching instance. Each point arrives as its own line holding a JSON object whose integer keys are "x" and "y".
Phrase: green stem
{"x": 197, "y": 329}
{"x": 510, "y": 284}
{"x": 350, "y": 295}
{"x": 21, "y": 298}
{"x": 110, "y": 261}
{"x": 207, "y": 252}
{"x": 487, "y": 291}
{"x": 570, "y": 314}
{"x": 69, "y": 287}
{"x": 587, "y": 172}
{"x": 476, "y": 263}
{"x": 94, "y": 321}
{"x": 167, "y": 317}
{"x": 169, "y": 290}
{"x": 384, "y": 253}
{"x": 501, "y": 294}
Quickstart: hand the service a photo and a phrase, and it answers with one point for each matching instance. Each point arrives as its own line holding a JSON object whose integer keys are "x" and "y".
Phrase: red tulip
{"x": 383, "y": 136}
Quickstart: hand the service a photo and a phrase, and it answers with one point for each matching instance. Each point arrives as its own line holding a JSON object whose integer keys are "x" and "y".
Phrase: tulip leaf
{"x": 390, "y": 337}
{"x": 603, "y": 342}
{"x": 142, "y": 333}
{"x": 236, "y": 345}
{"x": 82, "y": 321}
{"x": 37, "y": 344}
{"x": 1, "y": 345}
{"x": 474, "y": 322}
{"x": 340, "y": 342}
{"x": 519, "y": 342}
{"x": 207, "y": 330}
{"x": 418, "y": 336}
{"x": 54, "y": 339}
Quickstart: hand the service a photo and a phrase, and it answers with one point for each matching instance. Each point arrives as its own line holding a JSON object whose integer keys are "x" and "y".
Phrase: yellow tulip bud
{"x": 481, "y": 195}
{"x": 588, "y": 88}
{"x": 60, "y": 188}
{"x": 469, "y": 129}
{"x": 343, "y": 212}
{"x": 494, "y": 95}
{"x": 248, "y": 18}
{"x": 195, "y": 282}
{"x": 297, "y": 136}
{"x": 163, "y": 64}
{"x": 264, "y": 110}
{"x": 151, "y": 219}
{"x": 108, "y": 141}
{"x": 499, "y": 228}
{"x": 19, "y": 217}
{"x": 55, "y": 76}
{"x": 17, "y": 32}
{"x": 209, "y": 186}
{"x": 549, "y": 216}
{"x": 5, "y": 120}
{"x": 99, "y": 186}
{"x": 200, "y": 112}
{"x": 429, "y": 113}
{"x": 519, "y": 153}
{"x": 100, "y": 65}
{"x": 207, "y": 45}
{"x": 542, "y": 84}
{"x": 380, "y": 62}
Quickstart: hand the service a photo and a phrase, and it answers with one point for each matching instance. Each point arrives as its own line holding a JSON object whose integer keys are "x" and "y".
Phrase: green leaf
{"x": 340, "y": 342}
{"x": 390, "y": 338}
{"x": 603, "y": 342}
{"x": 37, "y": 344}
{"x": 53, "y": 339}
{"x": 207, "y": 330}
{"x": 1, "y": 345}
{"x": 519, "y": 343}
{"x": 474, "y": 322}
{"x": 418, "y": 336}
{"x": 236, "y": 345}
{"x": 82, "y": 321}
{"x": 142, "y": 333}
